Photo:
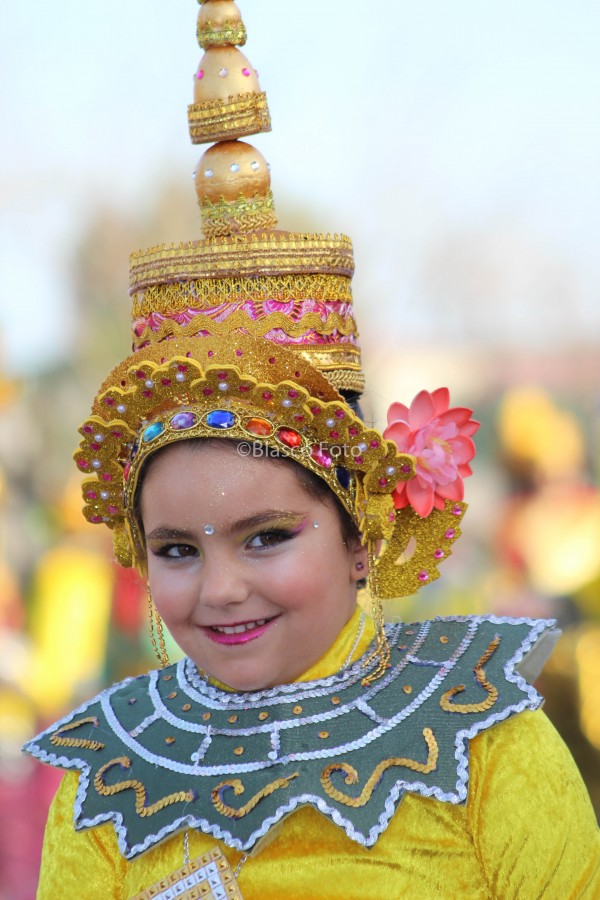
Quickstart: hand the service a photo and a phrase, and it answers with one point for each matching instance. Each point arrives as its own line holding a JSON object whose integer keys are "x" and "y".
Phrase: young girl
{"x": 300, "y": 748}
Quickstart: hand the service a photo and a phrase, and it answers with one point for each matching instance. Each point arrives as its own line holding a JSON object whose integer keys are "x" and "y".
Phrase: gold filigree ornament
{"x": 132, "y": 784}
{"x": 59, "y": 739}
{"x": 225, "y": 217}
{"x": 273, "y": 399}
{"x": 237, "y": 787}
{"x": 351, "y": 775}
{"x": 220, "y": 24}
{"x": 447, "y": 699}
{"x": 238, "y": 116}
{"x": 206, "y": 293}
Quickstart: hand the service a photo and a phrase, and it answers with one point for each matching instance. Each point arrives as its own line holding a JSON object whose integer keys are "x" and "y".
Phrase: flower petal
{"x": 453, "y": 491}
{"x": 420, "y": 498}
{"x": 470, "y": 428}
{"x": 421, "y": 410}
{"x": 399, "y": 497}
{"x": 441, "y": 400}
{"x": 460, "y": 415}
{"x": 399, "y": 433}
{"x": 397, "y": 412}
{"x": 463, "y": 449}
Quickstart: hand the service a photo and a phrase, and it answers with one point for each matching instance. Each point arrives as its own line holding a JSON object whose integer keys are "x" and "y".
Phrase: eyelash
{"x": 270, "y": 538}
{"x": 166, "y": 551}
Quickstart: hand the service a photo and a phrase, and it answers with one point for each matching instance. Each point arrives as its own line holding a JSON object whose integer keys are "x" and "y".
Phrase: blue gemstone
{"x": 152, "y": 432}
{"x": 220, "y": 418}
{"x": 183, "y": 421}
{"x": 343, "y": 476}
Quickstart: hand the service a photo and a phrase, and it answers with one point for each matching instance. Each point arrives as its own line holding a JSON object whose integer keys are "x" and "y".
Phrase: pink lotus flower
{"x": 440, "y": 440}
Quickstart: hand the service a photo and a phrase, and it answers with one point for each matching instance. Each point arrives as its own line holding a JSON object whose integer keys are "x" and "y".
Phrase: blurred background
{"x": 458, "y": 145}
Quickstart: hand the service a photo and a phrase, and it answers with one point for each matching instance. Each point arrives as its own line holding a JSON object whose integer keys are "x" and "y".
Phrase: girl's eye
{"x": 176, "y": 551}
{"x": 267, "y": 539}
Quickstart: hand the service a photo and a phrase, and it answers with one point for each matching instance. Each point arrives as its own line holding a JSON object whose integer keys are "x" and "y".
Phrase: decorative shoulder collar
{"x": 167, "y": 751}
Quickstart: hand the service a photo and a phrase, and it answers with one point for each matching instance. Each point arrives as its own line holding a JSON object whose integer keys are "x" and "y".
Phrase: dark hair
{"x": 312, "y": 484}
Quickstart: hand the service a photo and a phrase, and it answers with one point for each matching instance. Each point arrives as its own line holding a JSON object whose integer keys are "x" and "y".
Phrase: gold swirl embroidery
{"x": 446, "y": 701}
{"x": 203, "y": 293}
{"x": 140, "y": 791}
{"x": 212, "y": 34}
{"x": 224, "y": 217}
{"x": 257, "y": 328}
{"x": 238, "y": 788}
{"x": 351, "y": 775}
{"x": 59, "y": 741}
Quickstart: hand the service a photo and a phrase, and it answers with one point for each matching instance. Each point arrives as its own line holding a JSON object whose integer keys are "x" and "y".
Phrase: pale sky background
{"x": 444, "y": 137}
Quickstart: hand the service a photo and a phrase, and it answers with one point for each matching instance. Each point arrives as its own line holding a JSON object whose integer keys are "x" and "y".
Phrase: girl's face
{"x": 248, "y": 570}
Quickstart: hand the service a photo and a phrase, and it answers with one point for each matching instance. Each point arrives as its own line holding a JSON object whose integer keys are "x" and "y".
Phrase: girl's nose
{"x": 222, "y": 583}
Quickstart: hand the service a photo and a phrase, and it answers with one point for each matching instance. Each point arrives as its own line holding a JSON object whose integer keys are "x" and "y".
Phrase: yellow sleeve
{"x": 78, "y": 863}
{"x": 531, "y": 819}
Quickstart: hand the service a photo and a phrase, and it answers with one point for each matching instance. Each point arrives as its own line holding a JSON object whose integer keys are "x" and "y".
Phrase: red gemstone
{"x": 293, "y": 394}
{"x": 106, "y": 476}
{"x": 112, "y": 510}
{"x": 91, "y": 495}
{"x": 339, "y": 413}
{"x": 353, "y": 431}
{"x": 334, "y": 434}
{"x": 165, "y": 381}
{"x": 267, "y": 395}
{"x": 222, "y": 376}
{"x": 358, "y": 460}
{"x": 140, "y": 374}
{"x": 182, "y": 368}
{"x": 207, "y": 392}
{"x": 383, "y": 482}
{"x": 83, "y": 464}
{"x": 126, "y": 471}
{"x": 289, "y": 437}
{"x": 315, "y": 410}
{"x": 244, "y": 388}
{"x": 117, "y": 434}
{"x": 272, "y": 360}
{"x": 147, "y": 393}
{"x": 239, "y": 352}
{"x": 109, "y": 401}
{"x": 88, "y": 429}
{"x": 95, "y": 446}
{"x": 375, "y": 444}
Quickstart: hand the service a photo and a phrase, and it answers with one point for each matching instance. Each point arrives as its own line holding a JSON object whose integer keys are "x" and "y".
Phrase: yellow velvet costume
{"x": 527, "y": 830}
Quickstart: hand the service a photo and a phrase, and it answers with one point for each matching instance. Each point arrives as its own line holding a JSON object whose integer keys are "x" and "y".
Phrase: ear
{"x": 360, "y": 562}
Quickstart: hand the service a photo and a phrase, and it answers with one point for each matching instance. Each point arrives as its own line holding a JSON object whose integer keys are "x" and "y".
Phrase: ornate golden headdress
{"x": 249, "y": 335}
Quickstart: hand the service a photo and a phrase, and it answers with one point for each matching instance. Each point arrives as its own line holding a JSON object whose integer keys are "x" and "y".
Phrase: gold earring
{"x": 156, "y": 628}
{"x": 382, "y": 650}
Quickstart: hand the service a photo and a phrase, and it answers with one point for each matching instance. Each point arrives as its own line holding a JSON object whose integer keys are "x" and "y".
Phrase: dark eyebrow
{"x": 183, "y": 535}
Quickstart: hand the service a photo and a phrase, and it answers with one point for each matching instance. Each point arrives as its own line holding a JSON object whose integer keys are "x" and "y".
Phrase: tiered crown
{"x": 245, "y": 277}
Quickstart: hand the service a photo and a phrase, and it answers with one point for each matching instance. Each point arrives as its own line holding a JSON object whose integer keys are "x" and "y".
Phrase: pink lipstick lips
{"x": 241, "y": 633}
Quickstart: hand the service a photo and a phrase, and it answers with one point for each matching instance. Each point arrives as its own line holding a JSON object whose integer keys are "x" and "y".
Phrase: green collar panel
{"x": 168, "y": 751}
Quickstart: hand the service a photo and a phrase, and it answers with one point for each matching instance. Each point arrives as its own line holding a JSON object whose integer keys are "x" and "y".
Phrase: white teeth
{"x": 238, "y": 629}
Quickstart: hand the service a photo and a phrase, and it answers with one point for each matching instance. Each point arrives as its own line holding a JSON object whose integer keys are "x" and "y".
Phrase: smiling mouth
{"x": 237, "y": 634}
{"x": 239, "y": 629}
